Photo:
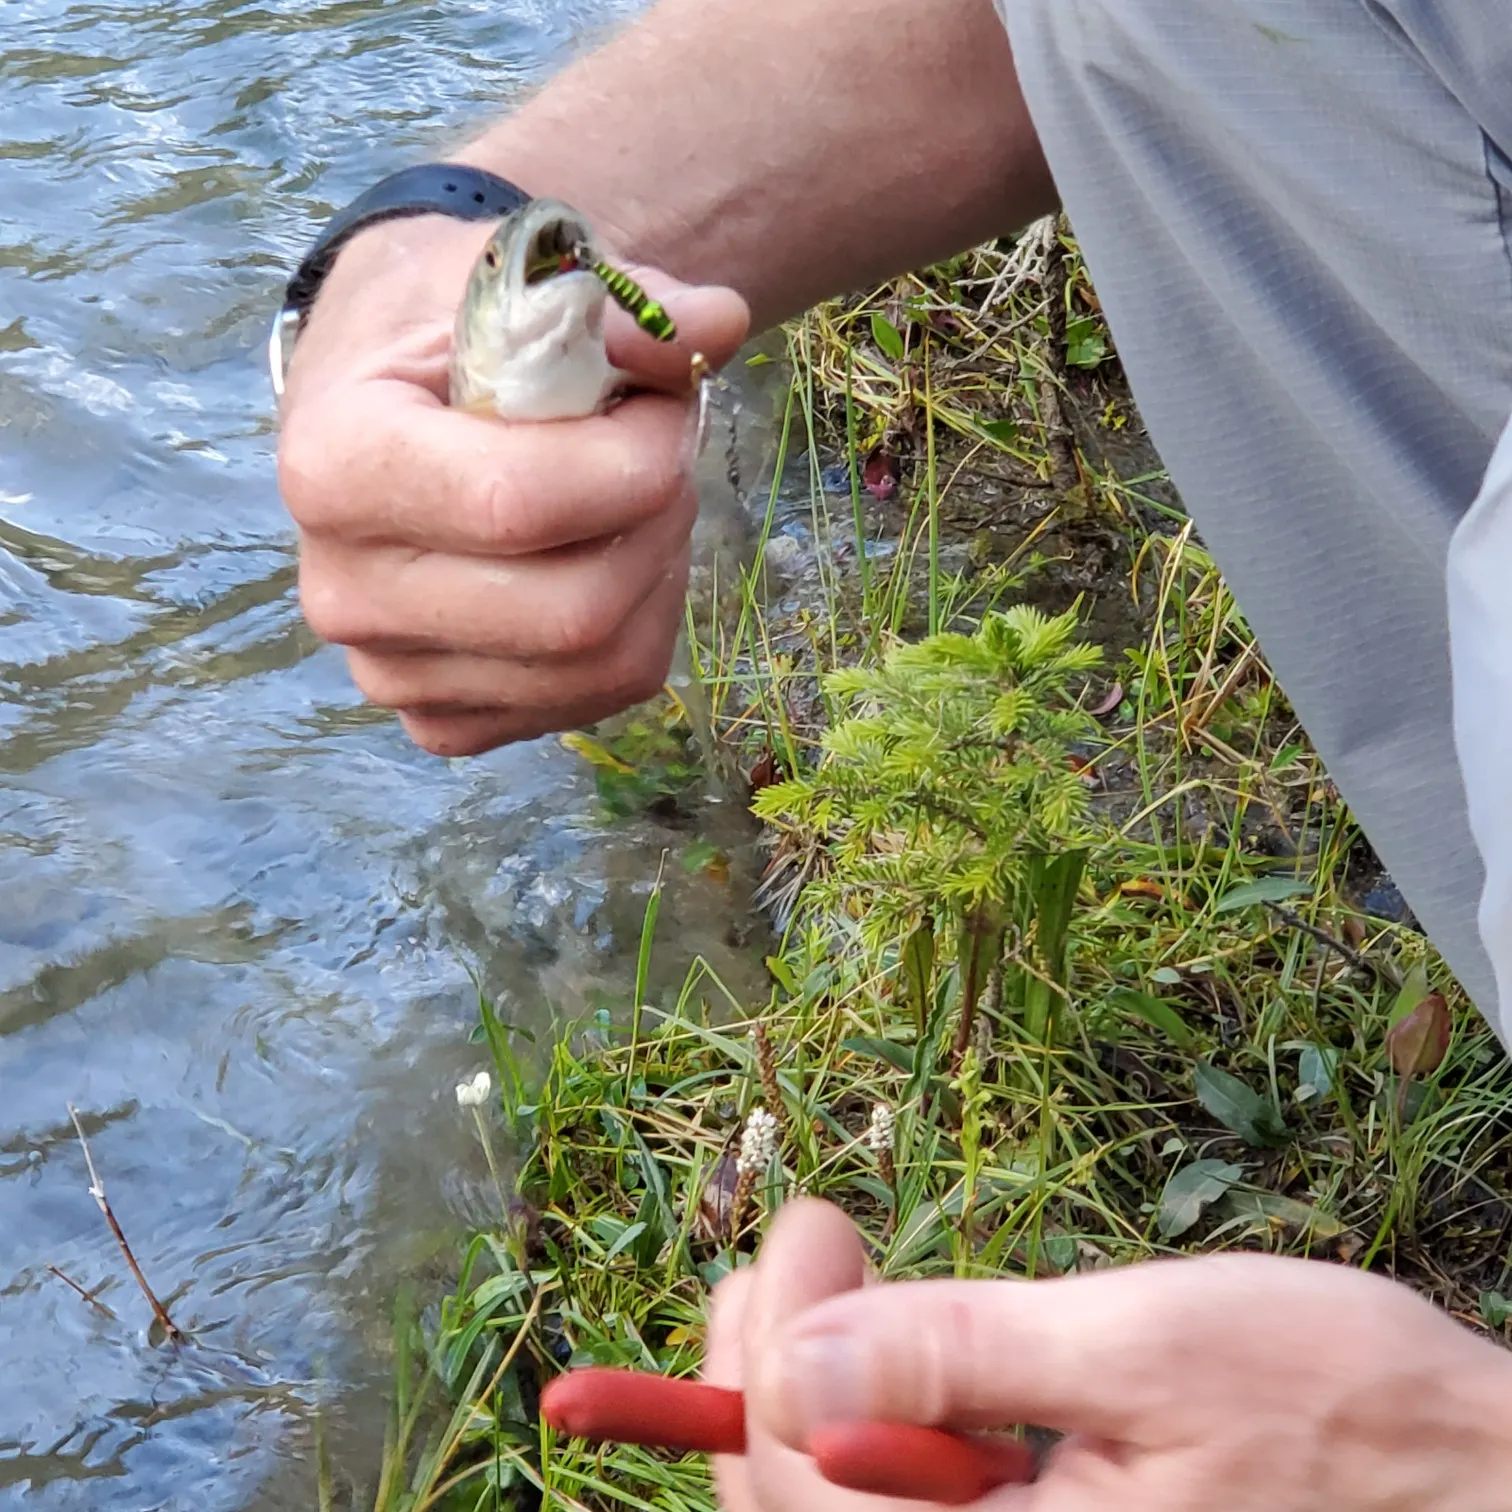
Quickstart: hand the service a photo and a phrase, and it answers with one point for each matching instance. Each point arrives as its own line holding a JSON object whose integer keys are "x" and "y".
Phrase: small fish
{"x": 529, "y": 336}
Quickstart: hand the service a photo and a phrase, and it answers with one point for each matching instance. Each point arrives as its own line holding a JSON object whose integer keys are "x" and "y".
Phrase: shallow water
{"x": 239, "y": 907}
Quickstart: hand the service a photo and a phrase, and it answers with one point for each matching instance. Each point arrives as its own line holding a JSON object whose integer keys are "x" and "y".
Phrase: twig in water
{"x": 97, "y": 1191}
{"x": 88, "y": 1296}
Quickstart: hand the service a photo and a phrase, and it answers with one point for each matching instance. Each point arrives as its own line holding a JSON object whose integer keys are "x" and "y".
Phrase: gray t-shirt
{"x": 1297, "y": 215}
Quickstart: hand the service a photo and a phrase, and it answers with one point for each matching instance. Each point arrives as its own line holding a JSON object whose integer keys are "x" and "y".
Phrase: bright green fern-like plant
{"x": 948, "y": 811}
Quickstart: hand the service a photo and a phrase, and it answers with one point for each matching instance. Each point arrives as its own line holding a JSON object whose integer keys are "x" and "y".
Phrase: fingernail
{"x": 826, "y": 1377}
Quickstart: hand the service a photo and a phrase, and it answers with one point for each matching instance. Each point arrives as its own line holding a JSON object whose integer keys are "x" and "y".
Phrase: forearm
{"x": 791, "y": 150}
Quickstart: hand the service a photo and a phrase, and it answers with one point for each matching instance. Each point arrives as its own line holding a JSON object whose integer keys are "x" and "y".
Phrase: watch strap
{"x": 454, "y": 189}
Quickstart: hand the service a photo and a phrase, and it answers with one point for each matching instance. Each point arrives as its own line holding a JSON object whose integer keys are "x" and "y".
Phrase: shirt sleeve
{"x": 1480, "y": 639}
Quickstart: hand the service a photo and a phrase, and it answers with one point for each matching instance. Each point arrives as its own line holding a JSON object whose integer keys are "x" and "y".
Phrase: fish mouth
{"x": 553, "y": 242}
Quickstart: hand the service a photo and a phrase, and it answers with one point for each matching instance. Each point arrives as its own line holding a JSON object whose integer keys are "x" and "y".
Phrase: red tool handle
{"x": 890, "y": 1459}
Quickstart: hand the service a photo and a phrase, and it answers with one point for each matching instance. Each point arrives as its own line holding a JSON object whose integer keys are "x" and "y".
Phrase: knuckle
{"x": 641, "y": 680}
{"x": 626, "y": 670}
{"x": 578, "y": 624}
{"x": 636, "y": 668}
{"x": 645, "y": 686}
{"x": 381, "y": 682}
{"x": 501, "y": 511}
{"x": 327, "y": 607}
{"x": 304, "y": 467}
{"x": 952, "y": 1360}
{"x": 652, "y": 475}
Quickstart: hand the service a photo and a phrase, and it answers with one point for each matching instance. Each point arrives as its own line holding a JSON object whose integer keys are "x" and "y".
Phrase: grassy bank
{"x": 1084, "y": 960}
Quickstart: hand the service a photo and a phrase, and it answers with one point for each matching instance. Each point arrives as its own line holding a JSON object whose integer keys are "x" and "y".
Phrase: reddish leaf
{"x": 1418, "y": 1043}
{"x": 1107, "y": 705}
{"x": 1082, "y": 766}
{"x": 880, "y": 473}
{"x": 764, "y": 773}
{"x": 716, "y": 1202}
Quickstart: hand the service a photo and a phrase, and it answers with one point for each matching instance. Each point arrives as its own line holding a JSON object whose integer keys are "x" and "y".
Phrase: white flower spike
{"x": 757, "y": 1144}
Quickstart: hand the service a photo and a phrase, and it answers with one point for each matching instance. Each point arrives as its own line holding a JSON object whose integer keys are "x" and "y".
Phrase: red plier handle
{"x": 889, "y": 1459}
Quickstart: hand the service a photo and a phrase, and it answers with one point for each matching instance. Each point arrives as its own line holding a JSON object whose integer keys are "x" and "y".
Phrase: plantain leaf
{"x": 1237, "y": 1106}
{"x": 1190, "y": 1190}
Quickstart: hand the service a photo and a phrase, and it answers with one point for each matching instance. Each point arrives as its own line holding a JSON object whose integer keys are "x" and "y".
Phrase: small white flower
{"x": 758, "y": 1143}
{"x": 879, "y": 1137}
{"x": 474, "y": 1094}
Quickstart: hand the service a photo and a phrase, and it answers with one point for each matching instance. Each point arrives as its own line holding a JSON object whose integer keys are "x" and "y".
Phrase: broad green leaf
{"x": 1494, "y": 1309}
{"x": 981, "y": 948}
{"x": 1315, "y": 1072}
{"x": 1086, "y": 346}
{"x": 901, "y": 1056}
{"x": 1055, "y": 882}
{"x": 918, "y": 971}
{"x": 1414, "y": 990}
{"x": 1156, "y": 1012}
{"x": 1190, "y": 1190}
{"x": 999, "y": 430}
{"x": 649, "y": 1220}
{"x": 927, "y": 1226}
{"x": 632, "y": 1232}
{"x": 1060, "y": 1251}
{"x": 1237, "y": 1106}
{"x": 782, "y": 974}
{"x": 886, "y": 335}
{"x": 1262, "y": 890}
{"x": 1272, "y": 1208}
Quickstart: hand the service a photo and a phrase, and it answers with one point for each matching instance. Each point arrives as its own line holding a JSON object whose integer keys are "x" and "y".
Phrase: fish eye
{"x": 491, "y": 256}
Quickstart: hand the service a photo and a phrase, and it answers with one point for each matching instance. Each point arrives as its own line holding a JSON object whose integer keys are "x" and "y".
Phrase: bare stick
{"x": 89, "y": 1297}
{"x": 1378, "y": 969}
{"x": 97, "y": 1191}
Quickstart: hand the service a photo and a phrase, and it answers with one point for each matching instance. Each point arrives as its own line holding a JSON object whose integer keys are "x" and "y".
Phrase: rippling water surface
{"x": 236, "y": 904}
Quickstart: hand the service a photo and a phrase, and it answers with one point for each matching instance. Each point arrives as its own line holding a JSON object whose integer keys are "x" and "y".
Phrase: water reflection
{"x": 236, "y": 900}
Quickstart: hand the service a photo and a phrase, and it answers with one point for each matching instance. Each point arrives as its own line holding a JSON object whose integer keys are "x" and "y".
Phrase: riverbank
{"x": 1083, "y": 959}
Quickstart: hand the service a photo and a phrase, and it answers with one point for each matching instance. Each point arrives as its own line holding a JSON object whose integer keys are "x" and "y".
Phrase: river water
{"x": 239, "y": 910}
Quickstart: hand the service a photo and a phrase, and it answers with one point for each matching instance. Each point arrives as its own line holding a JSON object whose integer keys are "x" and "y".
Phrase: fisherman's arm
{"x": 788, "y": 151}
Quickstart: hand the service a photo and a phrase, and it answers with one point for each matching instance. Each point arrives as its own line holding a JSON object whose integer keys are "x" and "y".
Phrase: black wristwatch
{"x": 426, "y": 189}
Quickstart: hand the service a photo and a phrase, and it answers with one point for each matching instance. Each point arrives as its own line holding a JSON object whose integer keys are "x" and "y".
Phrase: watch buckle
{"x": 285, "y": 324}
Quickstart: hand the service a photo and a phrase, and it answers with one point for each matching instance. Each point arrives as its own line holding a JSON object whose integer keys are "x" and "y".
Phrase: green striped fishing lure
{"x": 631, "y": 298}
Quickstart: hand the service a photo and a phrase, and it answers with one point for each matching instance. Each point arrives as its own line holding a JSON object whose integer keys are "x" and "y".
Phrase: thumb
{"x": 1079, "y": 1354}
{"x": 710, "y": 320}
